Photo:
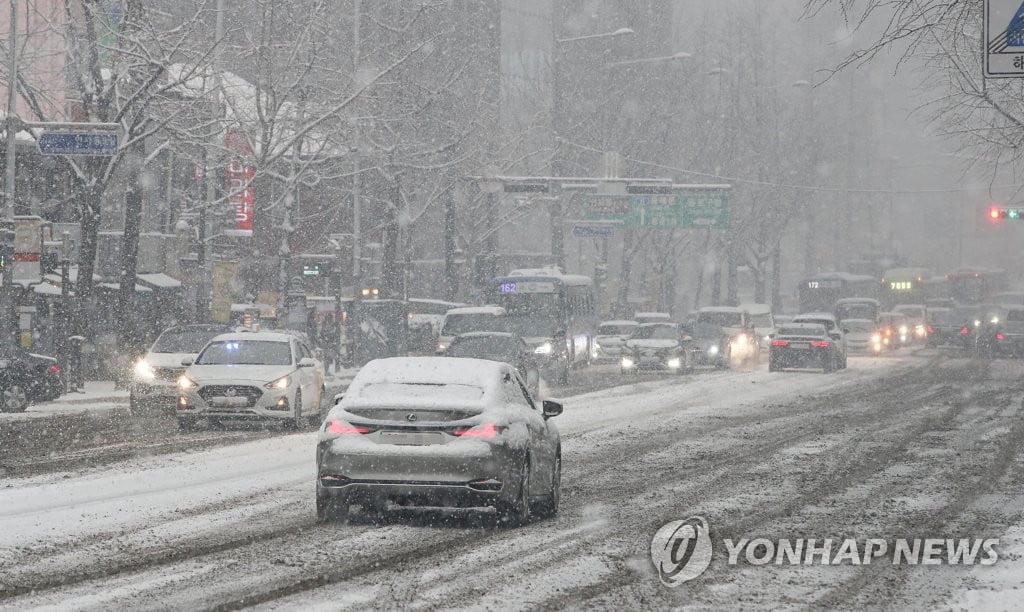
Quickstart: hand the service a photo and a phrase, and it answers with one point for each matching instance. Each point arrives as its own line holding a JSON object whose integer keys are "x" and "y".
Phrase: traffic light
{"x": 997, "y": 213}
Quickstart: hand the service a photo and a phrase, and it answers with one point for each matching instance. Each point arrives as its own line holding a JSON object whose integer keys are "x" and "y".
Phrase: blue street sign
{"x": 78, "y": 143}
{"x": 590, "y": 231}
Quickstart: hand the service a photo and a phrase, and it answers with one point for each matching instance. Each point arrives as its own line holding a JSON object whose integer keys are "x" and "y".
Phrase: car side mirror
{"x": 551, "y": 409}
{"x": 187, "y": 361}
{"x": 306, "y": 362}
{"x": 836, "y": 336}
{"x": 338, "y": 397}
{"x": 771, "y": 335}
{"x": 846, "y": 330}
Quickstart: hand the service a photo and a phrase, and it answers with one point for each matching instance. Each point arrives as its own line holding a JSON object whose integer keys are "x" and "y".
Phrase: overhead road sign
{"x": 708, "y": 210}
{"x": 592, "y": 231}
{"x": 78, "y": 143}
{"x": 1004, "y": 39}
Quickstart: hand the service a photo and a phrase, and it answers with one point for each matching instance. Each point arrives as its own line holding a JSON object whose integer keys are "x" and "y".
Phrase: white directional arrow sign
{"x": 1004, "y": 38}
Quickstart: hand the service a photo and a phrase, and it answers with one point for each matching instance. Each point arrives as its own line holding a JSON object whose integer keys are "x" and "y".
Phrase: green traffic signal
{"x": 1013, "y": 213}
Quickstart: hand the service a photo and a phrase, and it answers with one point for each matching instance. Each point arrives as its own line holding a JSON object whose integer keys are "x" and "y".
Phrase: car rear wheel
{"x": 828, "y": 363}
{"x": 516, "y": 512}
{"x": 186, "y": 424}
{"x": 15, "y": 399}
{"x": 548, "y": 508}
{"x": 331, "y": 508}
{"x": 318, "y": 416}
{"x": 773, "y": 366}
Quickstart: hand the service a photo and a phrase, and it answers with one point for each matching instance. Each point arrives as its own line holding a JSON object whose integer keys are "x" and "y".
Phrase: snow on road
{"x": 235, "y": 524}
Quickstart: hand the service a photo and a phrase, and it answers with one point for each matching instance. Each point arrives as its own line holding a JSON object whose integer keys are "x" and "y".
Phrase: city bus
{"x": 820, "y": 293}
{"x": 976, "y": 285}
{"x": 555, "y": 313}
{"x": 906, "y": 286}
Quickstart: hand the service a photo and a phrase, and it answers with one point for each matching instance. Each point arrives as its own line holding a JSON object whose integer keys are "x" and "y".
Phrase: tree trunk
{"x": 130, "y": 247}
{"x": 777, "y": 279}
{"x": 91, "y": 195}
{"x": 732, "y": 277}
{"x": 760, "y": 290}
{"x": 451, "y": 279}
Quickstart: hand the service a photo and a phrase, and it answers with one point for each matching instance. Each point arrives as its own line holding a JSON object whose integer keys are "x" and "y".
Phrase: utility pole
{"x": 10, "y": 186}
{"x": 210, "y": 167}
{"x": 354, "y": 329}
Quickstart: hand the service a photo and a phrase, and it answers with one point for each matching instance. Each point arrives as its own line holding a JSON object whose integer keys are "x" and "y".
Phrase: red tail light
{"x": 53, "y": 369}
{"x": 820, "y": 344}
{"x": 964, "y": 331}
{"x": 1000, "y": 336}
{"x": 486, "y": 431}
{"x": 931, "y": 330}
{"x": 337, "y": 427}
{"x": 780, "y": 342}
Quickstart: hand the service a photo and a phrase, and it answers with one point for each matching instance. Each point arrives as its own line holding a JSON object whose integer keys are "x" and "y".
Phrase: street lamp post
{"x": 10, "y": 182}
{"x": 558, "y": 120}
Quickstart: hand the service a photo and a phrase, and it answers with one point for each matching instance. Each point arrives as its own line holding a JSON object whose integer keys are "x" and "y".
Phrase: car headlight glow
{"x": 674, "y": 363}
{"x": 741, "y": 340}
{"x": 977, "y": 323}
{"x": 441, "y": 347}
{"x": 185, "y": 383}
{"x": 144, "y": 370}
{"x": 713, "y": 349}
{"x": 876, "y": 338}
{"x": 627, "y": 362}
{"x": 903, "y": 330}
{"x": 544, "y": 349}
{"x": 995, "y": 320}
{"x": 280, "y": 383}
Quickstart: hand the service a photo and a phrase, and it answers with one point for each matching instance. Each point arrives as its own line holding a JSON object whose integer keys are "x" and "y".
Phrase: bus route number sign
{"x": 527, "y": 287}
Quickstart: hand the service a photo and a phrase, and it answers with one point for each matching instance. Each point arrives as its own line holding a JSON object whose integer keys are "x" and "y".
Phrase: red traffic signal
{"x": 995, "y": 213}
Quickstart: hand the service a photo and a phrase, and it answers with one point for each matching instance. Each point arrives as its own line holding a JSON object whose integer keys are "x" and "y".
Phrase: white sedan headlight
{"x": 185, "y": 383}
{"x": 713, "y": 349}
{"x": 544, "y": 349}
{"x": 740, "y": 340}
{"x": 144, "y": 371}
{"x": 674, "y": 363}
{"x": 627, "y": 362}
{"x": 280, "y": 383}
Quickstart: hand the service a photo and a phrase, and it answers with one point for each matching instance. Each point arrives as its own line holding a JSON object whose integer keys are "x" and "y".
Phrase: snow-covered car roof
{"x": 721, "y": 309}
{"x": 486, "y": 334}
{"x": 814, "y": 315}
{"x": 659, "y": 324}
{"x": 497, "y": 311}
{"x": 663, "y": 315}
{"x": 755, "y": 308}
{"x": 623, "y": 322}
{"x": 427, "y": 381}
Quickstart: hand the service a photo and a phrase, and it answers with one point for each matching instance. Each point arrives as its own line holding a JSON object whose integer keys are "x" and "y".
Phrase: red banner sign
{"x": 241, "y": 197}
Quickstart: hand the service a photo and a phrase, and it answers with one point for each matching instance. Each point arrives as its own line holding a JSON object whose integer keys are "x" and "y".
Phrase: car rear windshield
{"x": 465, "y": 323}
{"x": 486, "y": 347}
{"x": 856, "y": 325}
{"x": 656, "y": 332}
{"x": 721, "y": 319}
{"x": 802, "y": 331}
{"x": 184, "y": 341}
{"x": 915, "y": 312}
{"x": 246, "y": 352}
{"x": 761, "y": 320}
{"x": 414, "y": 390}
{"x": 1015, "y": 315}
{"x": 615, "y": 330}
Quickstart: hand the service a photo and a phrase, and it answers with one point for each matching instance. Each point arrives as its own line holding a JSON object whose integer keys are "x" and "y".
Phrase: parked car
{"x": 154, "y": 384}
{"x": 27, "y": 378}
{"x": 251, "y": 375}
{"x": 657, "y": 346}
{"x": 804, "y": 345}
{"x": 611, "y": 337}
{"x": 426, "y": 317}
{"x": 439, "y": 431}
{"x": 836, "y": 334}
{"x": 470, "y": 319}
{"x": 499, "y": 346}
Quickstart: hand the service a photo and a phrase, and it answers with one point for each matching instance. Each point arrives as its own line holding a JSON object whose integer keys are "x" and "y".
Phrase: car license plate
{"x": 401, "y": 438}
{"x": 229, "y": 402}
{"x": 799, "y": 345}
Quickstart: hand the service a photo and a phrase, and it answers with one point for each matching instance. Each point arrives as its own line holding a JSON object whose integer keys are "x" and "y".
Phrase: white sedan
{"x": 255, "y": 375}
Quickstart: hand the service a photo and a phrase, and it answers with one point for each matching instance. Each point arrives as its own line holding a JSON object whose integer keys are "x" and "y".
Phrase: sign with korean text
{"x": 78, "y": 143}
{"x": 695, "y": 210}
{"x": 1004, "y": 39}
{"x": 241, "y": 198}
{"x": 28, "y": 244}
{"x": 223, "y": 290}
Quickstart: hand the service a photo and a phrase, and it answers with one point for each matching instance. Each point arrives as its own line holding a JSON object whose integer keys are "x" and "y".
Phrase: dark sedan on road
{"x": 27, "y": 378}
{"x": 1008, "y": 334}
{"x": 803, "y": 345}
{"x": 657, "y": 346}
{"x": 499, "y": 346}
{"x": 439, "y": 431}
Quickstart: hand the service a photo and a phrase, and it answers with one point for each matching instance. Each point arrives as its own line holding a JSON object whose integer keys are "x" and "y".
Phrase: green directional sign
{"x": 707, "y": 210}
